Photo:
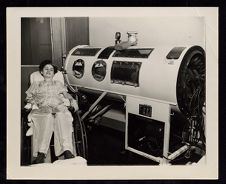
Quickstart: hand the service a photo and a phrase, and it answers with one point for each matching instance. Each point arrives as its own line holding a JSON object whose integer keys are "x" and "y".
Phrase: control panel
{"x": 145, "y": 110}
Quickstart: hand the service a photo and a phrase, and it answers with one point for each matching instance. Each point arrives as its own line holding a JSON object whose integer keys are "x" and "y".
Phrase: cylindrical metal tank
{"x": 170, "y": 74}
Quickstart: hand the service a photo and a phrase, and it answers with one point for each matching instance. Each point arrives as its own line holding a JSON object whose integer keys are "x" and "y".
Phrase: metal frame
{"x": 94, "y": 105}
{"x": 132, "y": 106}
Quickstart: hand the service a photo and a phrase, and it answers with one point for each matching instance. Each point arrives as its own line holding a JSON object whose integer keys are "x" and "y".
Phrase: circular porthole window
{"x": 78, "y": 68}
{"x": 99, "y": 70}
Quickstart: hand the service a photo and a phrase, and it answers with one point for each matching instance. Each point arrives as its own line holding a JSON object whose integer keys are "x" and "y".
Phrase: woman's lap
{"x": 45, "y": 124}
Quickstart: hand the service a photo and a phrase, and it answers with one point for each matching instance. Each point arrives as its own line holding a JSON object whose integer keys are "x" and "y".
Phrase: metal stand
{"x": 94, "y": 105}
{"x": 161, "y": 113}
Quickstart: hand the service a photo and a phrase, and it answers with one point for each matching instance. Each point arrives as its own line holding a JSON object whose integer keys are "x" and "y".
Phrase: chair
{"x": 79, "y": 133}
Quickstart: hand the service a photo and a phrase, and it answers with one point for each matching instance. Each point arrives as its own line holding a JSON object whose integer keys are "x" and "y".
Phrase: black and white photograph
{"x": 104, "y": 93}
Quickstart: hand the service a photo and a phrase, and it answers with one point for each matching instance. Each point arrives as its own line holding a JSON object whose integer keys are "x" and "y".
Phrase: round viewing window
{"x": 99, "y": 70}
{"x": 78, "y": 68}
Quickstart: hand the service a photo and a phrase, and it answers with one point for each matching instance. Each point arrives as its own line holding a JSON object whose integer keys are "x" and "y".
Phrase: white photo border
{"x": 16, "y": 171}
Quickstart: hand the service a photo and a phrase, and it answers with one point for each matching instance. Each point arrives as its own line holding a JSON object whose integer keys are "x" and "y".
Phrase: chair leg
{"x": 51, "y": 150}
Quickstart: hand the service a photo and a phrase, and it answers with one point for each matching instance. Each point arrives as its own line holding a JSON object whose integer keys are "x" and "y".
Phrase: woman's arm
{"x": 73, "y": 102}
{"x": 63, "y": 90}
{"x": 30, "y": 94}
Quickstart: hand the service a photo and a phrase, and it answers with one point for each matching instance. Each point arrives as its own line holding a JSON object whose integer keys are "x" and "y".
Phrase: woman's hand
{"x": 74, "y": 104}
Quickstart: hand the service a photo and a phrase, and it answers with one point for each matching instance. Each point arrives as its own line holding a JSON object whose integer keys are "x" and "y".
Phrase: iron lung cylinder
{"x": 171, "y": 74}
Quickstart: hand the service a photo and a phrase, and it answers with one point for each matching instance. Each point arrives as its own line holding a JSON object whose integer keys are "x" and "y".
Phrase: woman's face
{"x": 48, "y": 71}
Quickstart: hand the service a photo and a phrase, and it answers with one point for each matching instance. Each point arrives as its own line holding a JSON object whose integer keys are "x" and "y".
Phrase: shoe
{"x": 68, "y": 155}
{"x": 39, "y": 159}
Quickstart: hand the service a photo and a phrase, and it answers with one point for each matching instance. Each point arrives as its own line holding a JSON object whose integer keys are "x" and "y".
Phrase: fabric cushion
{"x": 36, "y": 76}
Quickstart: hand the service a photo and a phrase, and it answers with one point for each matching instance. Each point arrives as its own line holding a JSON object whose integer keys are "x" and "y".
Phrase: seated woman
{"x": 50, "y": 115}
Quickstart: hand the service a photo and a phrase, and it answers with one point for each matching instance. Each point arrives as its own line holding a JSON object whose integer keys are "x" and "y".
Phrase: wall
{"x": 35, "y": 40}
{"x": 151, "y": 30}
{"x": 77, "y": 32}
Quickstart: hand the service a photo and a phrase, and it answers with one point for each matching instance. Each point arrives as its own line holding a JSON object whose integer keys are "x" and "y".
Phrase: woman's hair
{"x": 47, "y": 62}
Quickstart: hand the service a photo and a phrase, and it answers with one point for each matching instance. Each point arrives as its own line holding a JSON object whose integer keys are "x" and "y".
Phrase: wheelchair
{"x": 79, "y": 131}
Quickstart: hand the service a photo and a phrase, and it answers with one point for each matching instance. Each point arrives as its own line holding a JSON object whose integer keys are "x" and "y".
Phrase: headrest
{"x": 36, "y": 76}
